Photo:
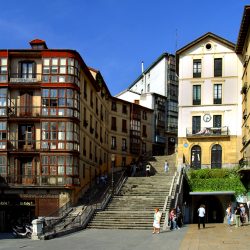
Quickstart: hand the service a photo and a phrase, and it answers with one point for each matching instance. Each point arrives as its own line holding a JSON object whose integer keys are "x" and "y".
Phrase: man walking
{"x": 201, "y": 216}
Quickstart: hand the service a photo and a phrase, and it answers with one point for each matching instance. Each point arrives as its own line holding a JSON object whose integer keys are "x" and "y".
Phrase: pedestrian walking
{"x": 148, "y": 168}
{"x": 201, "y": 216}
{"x": 237, "y": 216}
{"x": 166, "y": 167}
{"x": 156, "y": 223}
{"x": 242, "y": 214}
{"x": 229, "y": 214}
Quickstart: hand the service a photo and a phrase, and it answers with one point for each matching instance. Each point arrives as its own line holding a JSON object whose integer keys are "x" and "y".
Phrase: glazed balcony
{"x": 22, "y": 112}
{"x": 208, "y": 132}
{"x": 38, "y": 180}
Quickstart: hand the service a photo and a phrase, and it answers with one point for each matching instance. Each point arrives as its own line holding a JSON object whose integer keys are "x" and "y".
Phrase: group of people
{"x": 175, "y": 219}
{"x": 239, "y": 213}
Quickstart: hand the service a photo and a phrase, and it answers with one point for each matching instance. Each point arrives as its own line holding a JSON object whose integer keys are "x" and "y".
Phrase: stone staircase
{"x": 133, "y": 207}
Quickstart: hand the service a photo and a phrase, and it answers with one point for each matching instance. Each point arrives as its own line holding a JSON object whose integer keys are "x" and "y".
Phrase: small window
{"x": 113, "y": 142}
{"x": 196, "y": 94}
{"x": 113, "y": 106}
{"x": 197, "y": 68}
{"x": 124, "y": 109}
{"x": 217, "y": 67}
{"x": 208, "y": 46}
{"x": 113, "y": 123}
{"x": 217, "y": 93}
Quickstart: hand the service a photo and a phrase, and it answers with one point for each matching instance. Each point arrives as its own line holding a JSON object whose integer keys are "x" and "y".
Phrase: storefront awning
{"x": 213, "y": 193}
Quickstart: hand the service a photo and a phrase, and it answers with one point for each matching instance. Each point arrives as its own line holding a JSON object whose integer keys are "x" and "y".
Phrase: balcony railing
{"x": 24, "y": 145}
{"x": 17, "y": 78}
{"x": 38, "y": 111}
{"x": 25, "y": 78}
{"x": 38, "y": 180}
{"x": 208, "y": 131}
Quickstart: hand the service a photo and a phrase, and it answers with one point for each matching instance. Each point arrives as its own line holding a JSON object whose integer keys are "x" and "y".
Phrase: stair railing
{"x": 120, "y": 183}
{"x": 165, "y": 210}
{"x": 180, "y": 187}
{"x": 82, "y": 219}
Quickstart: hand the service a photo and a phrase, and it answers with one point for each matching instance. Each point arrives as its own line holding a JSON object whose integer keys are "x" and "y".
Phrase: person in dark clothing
{"x": 237, "y": 216}
{"x": 179, "y": 217}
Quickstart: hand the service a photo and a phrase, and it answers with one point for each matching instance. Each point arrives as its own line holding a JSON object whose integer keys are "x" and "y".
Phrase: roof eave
{"x": 208, "y": 34}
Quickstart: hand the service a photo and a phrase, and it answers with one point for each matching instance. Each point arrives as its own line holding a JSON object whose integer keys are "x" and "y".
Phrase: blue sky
{"x": 114, "y": 36}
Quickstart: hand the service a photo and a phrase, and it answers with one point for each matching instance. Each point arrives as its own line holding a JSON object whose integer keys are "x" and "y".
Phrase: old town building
{"x": 243, "y": 50}
{"x": 59, "y": 128}
{"x": 209, "y": 131}
{"x": 157, "y": 89}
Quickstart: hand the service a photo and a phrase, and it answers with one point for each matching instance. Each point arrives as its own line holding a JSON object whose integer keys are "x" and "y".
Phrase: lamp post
{"x": 112, "y": 171}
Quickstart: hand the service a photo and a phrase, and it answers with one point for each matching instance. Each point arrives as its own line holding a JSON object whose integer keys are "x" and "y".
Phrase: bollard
{"x": 37, "y": 228}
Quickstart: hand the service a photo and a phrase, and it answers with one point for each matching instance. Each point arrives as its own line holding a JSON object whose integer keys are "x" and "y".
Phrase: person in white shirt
{"x": 166, "y": 166}
{"x": 148, "y": 168}
{"x": 201, "y": 216}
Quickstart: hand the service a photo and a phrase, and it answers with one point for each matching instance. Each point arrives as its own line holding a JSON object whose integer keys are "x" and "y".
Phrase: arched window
{"x": 196, "y": 157}
{"x": 216, "y": 156}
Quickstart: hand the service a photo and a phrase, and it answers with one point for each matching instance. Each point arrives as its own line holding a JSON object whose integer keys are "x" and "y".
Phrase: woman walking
{"x": 156, "y": 223}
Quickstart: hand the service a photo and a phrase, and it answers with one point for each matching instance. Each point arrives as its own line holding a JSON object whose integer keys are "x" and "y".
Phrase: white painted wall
{"x": 156, "y": 77}
{"x": 230, "y": 109}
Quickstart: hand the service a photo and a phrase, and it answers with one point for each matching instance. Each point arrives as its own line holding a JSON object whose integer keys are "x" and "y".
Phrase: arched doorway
{"x": 216, "y": 156}
{"x": 196, "y": 157}
{"x": 214, "y": 209}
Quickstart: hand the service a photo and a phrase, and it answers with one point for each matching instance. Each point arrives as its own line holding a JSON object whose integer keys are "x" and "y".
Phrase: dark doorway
{"x": 214, "y": 209}
{"x": 196, "y": 157}
{"x": 216, "y": 156}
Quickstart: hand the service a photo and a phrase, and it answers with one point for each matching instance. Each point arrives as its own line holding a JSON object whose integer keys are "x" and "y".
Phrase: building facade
{"x": 209, "y": 131}
{"x": 243, "y": 50}
{"x": 57, "y": 131}
{"x": 157, "y": 89}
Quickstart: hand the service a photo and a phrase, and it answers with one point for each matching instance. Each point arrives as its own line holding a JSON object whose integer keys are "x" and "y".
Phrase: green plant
{"x": 208, "y": 180}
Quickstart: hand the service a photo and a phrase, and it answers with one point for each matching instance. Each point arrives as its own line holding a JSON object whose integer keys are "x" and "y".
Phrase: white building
{"x": 157, "y": 88}
{"x": 209, "y": 125}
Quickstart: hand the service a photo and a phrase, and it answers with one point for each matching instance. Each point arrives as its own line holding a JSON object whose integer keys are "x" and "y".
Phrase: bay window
{"x": 3, "y": 70}
{"x": 60, "y": 102}
{"x": 60, "y": 135}
{"x": 61, "y": 70}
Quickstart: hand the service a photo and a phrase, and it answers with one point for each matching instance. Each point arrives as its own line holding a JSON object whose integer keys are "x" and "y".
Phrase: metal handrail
{"x": 165, "y": 224}
{"x": 179, "y": 184}
{"x": 82, "y": 219}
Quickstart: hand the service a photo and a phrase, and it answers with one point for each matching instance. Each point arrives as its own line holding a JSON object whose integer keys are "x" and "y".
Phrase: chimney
{"x": 142, "y": 67}
{"x": 38, "y": 44}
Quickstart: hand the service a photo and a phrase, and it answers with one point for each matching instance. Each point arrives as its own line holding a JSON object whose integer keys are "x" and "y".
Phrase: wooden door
{"x": 26, "y": 103}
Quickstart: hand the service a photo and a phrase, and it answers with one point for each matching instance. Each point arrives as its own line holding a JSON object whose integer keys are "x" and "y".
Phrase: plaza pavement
{"x": 214, "y": 236}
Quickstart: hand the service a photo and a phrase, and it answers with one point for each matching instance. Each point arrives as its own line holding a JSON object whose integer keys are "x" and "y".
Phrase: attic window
{"x": 208, "y": 46}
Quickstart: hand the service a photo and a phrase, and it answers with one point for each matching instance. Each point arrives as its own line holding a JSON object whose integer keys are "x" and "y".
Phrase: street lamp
{"x": 112, "y": 171}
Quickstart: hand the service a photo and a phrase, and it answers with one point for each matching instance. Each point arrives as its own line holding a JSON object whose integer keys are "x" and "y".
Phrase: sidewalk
{"x": 216, "y": 236}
